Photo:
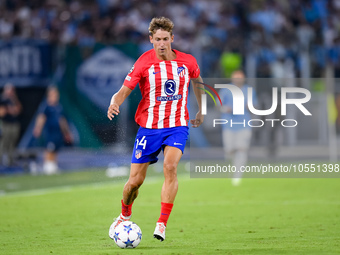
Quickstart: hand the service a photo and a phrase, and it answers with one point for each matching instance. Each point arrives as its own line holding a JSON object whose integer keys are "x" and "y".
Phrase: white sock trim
{"x": 125, "y": 217}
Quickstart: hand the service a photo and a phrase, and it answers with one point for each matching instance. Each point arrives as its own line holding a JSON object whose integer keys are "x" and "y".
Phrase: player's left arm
{"x": 39, "y": 125}
{"x": 65, "y": 129}
{"x": 198, "y": 86}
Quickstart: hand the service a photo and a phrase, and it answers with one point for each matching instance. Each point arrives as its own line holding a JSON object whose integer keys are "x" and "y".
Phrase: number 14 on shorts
{"x": 142, "y": 142}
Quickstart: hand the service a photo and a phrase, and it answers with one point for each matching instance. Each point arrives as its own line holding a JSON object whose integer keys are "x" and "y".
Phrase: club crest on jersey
{"x": 170, "y": 87}
{"x": 138, "y": 154}
{"x": 181, "y": 71}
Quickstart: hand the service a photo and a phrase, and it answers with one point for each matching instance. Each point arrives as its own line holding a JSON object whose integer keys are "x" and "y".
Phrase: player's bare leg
{"x": 172, "y": 156}
{"x": 136, "y": 179}
{"x": 50, "y": 162}
{"x": 50, "y": 156}
{"x": 130, "y": 193}
{"x": 239, "y": 160}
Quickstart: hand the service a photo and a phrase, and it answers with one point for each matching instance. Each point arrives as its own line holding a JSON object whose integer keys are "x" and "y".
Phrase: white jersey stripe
{"x": 151, "y": 96}
{"x": 164, "y": 78}
{"x": 185, "y": 92}
{"x": 172, "y": 117}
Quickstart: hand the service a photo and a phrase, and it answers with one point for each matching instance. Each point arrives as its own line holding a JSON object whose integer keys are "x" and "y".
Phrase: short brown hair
{"x": 160, "y": 23}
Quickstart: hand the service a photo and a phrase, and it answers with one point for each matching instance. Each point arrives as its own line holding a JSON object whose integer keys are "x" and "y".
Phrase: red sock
{"x": 126, "y": 209}
{"x": 165, "y": 212}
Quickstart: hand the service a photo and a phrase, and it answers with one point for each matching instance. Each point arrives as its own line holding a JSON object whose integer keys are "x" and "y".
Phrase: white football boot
{"x": 159, "y": 231}
{"x": 115, "y": 223}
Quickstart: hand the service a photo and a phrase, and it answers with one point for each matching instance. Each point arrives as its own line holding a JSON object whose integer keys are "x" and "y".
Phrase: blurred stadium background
{"x": 87, "y": 47}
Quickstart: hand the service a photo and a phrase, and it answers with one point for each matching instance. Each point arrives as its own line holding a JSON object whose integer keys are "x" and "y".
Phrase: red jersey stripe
{"x": 151, "y": 98}
{"x": 167, "y": 110}
{"x": 179, "y": 85}
{"x": 162, "y": 104}
{"x": 179, "y": 104}
{"x": 157, "y": 76}
{"x": 184, "y": 109}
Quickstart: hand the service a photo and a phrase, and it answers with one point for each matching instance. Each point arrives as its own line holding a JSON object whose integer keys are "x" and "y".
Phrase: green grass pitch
{"x": 262, "y": 216}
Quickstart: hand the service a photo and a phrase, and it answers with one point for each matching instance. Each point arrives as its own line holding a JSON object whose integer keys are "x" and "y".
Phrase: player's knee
{"x": 135, "y": 182}
{"x": 170, "y": 170}
{"x": 170, "y": 167}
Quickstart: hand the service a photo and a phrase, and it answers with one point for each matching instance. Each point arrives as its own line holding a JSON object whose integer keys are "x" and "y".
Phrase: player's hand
{"x": 112, "y": 111}
{"x": 198, "y": 121}
{"x": 36, "y": 132}
{"x": 68, "y": 138}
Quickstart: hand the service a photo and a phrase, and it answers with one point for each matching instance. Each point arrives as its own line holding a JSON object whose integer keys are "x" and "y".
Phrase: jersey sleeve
{"x": 135, "y": 74}
{"x": 194, "y": 71}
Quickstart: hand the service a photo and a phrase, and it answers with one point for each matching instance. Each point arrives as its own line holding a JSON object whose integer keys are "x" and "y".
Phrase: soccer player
{"x": 51, "y": 117}
{"x": 10, "y": 123}
{"x": 236, "y": 137}
{"x": 163, "y": 75}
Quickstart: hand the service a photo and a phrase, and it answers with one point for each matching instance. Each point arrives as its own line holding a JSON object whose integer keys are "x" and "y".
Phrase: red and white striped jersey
{"x": 164, "y": 86}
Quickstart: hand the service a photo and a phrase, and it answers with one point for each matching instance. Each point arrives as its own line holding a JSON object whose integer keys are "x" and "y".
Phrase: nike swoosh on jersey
{"x": 156, "y": 72}
{"x": 178, "y": 144}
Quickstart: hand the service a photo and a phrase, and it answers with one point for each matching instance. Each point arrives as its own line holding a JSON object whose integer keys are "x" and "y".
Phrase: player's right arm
{"x": 116, "y": 100}
{"x": 130, "y": 82}
{"x": 39, "y": 124}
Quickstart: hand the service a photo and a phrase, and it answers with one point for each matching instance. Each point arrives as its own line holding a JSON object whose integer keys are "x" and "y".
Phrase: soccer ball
{"x": 127, "y": 235}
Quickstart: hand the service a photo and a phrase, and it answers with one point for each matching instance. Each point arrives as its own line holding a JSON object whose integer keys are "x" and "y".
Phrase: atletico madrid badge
{"x": 181, "y": 71}
{"x": 138, "y": 154}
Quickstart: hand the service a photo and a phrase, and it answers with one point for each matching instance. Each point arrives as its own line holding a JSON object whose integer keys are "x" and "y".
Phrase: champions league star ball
{"x": 127, "y": 235}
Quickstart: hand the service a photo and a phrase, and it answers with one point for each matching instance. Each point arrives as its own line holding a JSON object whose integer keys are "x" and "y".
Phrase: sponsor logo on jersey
{"x": 138, "y": 154}
{"x": 156, "y": 72}
{"x": 128, "y": 78}
{"x": 181, "y": 71}
{"x": 170, "y": 87}
{"x": 170, "y": 98}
